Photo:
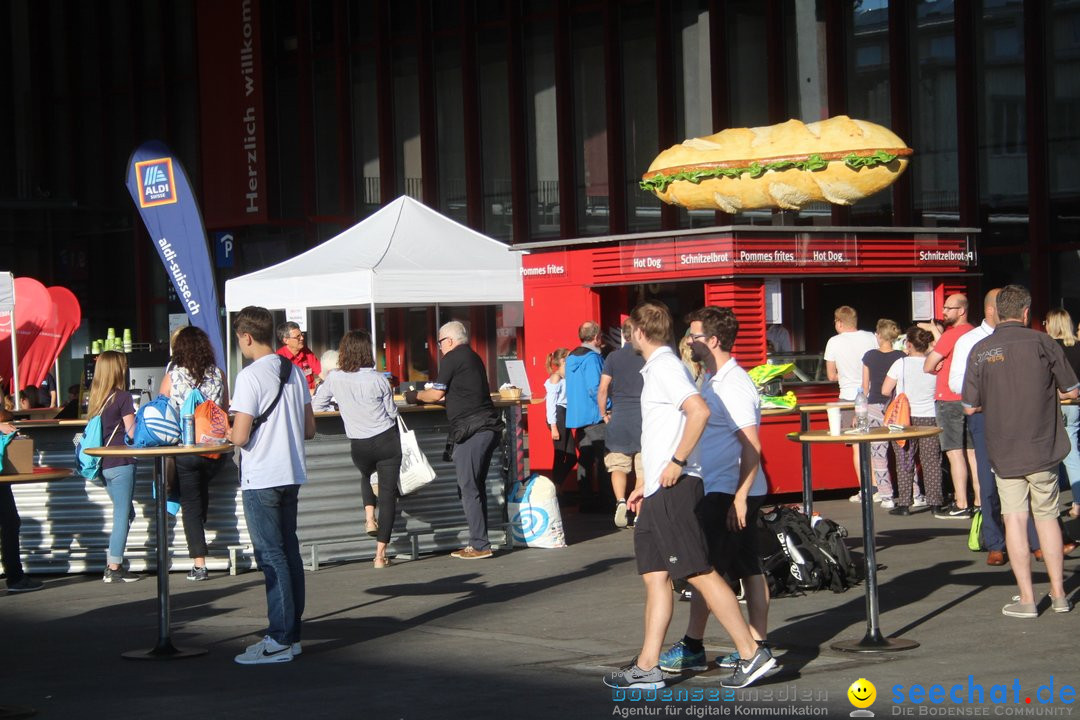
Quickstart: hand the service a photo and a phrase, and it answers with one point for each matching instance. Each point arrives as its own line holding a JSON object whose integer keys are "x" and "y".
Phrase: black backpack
{"x": 797, "y": 557}
{"x": 845, "y": 572}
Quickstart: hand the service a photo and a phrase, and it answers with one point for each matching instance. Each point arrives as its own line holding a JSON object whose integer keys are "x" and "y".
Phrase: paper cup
{"x": 833, "y": 411}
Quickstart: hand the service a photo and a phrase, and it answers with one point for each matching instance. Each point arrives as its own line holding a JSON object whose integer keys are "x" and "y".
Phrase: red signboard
{"x": 234, "y": 189}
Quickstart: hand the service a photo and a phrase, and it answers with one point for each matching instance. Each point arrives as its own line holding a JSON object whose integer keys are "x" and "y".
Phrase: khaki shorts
{"x": 621, "y": 462}
{"x": 1040, "y": 487}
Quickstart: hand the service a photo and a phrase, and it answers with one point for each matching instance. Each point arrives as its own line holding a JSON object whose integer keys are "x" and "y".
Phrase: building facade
{"x": 527, "y": 120}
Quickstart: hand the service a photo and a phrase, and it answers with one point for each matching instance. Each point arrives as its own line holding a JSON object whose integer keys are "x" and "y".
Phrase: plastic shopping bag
{"x": 533, "y": 508}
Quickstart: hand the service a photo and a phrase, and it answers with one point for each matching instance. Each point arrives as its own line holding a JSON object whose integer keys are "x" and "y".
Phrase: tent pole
{"x": 438, "y": 347}
{"x": 14, "y": 351}
{"x": 374, "y": 336}
{"x": 56, "y": 377}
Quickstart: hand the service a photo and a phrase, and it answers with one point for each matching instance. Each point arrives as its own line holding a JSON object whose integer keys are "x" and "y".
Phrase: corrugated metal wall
{"x": 66, "y": 523}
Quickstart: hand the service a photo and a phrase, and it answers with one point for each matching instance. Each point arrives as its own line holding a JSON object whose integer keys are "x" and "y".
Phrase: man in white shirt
{"x": 843, "y": 364}
{"x": 735, "y": 486}
{"x": 668, "y": 538}
{"x": 993, "y": 534}
{"x": 273, "y": 418}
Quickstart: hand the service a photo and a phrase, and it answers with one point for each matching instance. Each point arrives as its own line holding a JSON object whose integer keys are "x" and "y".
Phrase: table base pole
{"x": 164, "y": 651}
{"x": 871, "y": 644}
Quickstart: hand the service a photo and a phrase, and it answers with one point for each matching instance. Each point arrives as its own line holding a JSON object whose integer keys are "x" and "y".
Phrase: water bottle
{"x": 187, "y": 424}
{"x": 862, "y": 418}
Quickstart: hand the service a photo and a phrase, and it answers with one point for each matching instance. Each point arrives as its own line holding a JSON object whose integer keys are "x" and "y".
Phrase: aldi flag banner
{"x": 159, "y": 186}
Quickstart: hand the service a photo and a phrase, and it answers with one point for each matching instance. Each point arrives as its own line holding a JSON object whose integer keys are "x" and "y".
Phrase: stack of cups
{"x": 127, "y": 340}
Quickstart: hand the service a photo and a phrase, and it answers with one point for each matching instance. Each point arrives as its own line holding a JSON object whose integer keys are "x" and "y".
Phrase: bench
{"x": 412, "y": 535}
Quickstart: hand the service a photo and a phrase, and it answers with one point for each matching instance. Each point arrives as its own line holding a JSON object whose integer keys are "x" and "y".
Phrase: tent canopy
{"x": 404, "y": 254}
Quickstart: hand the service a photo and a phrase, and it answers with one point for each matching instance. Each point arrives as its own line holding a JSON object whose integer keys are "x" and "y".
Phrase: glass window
{"x": 450, "y": 119}
{"x": 637, "y": 32}
{"x": 365, "y": 134}
{"x": 933, "y": 115}
{"x": 362, "y": 21}
{"x": 285, "y": 104}
{"x": 494, "y": 132}
{"x": 327, "y": 148}
{"x": 693, "y": 85}
{"x": 868, "y": 90}
{"x": 407, "y": 122}
{"x": 590, "y": 124}
{"x": 747, "y": 44}
{"x": 541, "y": 134}
{"x": 1001, "y": 96}
{"x": 419, "y": 328}
{"x": 1063, "y": 99}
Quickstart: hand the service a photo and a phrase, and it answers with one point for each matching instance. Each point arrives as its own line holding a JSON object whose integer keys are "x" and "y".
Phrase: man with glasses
{"x": 293, "y": 348}
{"x": 475, "y": 428}
{"x": 955, "y": 436}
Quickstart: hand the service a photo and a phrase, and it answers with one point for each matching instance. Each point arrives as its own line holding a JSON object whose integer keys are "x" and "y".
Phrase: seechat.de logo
{"x": 156, "y": 184}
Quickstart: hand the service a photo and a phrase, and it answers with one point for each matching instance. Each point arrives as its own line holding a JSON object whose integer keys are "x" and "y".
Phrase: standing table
{"x": 804, "y": 427}
{"x": 164, "y": 649}
{"x": 873, "y": 641}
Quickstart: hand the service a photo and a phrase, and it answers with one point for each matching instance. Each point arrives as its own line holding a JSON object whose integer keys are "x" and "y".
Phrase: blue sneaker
{"x": 728, "y": 662}
{"x": 679, "y": 658}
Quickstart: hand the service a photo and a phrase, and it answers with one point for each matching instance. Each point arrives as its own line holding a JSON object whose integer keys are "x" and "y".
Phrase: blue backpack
{"x": 91, "y": 437}
{"x": 157, "y": 423}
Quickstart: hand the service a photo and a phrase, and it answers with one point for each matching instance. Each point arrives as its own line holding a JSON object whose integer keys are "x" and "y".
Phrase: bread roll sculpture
{"x": 839, "y": 160}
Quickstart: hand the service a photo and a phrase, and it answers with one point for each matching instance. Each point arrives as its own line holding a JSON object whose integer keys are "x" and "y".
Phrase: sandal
{"x": 372, "y": 528}
{"x": 383, "y": 562}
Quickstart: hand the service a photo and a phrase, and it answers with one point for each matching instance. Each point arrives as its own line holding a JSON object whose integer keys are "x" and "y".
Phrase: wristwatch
{"x": 677, "y": 461}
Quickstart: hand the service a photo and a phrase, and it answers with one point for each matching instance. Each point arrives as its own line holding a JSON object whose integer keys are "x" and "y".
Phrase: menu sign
{"x": 799, "y": 252}
{"x": 944, "y": 251}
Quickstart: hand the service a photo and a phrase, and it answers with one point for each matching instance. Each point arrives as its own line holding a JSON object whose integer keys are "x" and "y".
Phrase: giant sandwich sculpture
{"x": 839, "y": 160}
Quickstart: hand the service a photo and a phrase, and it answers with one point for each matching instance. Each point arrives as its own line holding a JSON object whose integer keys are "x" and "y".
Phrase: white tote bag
{"x": 416, "y": 471}
{"x": 534, "y": 514}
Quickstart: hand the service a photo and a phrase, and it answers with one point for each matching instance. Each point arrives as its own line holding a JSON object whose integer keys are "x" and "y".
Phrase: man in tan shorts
{"x": 1016, "y": 375}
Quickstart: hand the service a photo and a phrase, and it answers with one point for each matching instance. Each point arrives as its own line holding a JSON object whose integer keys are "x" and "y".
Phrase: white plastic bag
{"x": 416, "y": 471}
{"x": 534, "y": 514}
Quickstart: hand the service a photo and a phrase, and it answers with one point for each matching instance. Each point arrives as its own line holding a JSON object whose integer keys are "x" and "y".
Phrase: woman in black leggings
{"x": 369, "y": 414}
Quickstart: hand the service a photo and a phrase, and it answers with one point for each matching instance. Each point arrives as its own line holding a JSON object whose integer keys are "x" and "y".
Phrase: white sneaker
{"x": 296, "y": 649}
{"x": 857, "y": 497}
{"x": 887, "y": 503}
{"x": 265, "y": 651}
{"x": 919, "y": 501}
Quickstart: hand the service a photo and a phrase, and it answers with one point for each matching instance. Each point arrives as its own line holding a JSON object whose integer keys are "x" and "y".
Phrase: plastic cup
{"x": 833, "y": 411}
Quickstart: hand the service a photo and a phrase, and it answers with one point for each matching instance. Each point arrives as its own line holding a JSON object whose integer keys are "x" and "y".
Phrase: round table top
{"x": 162, "y": 451}
{"x": 822, "y": 407}
{"x": 35, "y": 424}
{"x": 40, "y": 474}
{"x": 878, "y": 434}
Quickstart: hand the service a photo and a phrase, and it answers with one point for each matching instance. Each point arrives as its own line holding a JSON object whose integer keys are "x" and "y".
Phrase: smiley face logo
{"x": 862, "y": 693}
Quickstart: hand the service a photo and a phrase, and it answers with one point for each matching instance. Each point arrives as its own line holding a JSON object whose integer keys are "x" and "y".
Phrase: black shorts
{"x": 667, "y": 535}
{"x": 733, "y": 554}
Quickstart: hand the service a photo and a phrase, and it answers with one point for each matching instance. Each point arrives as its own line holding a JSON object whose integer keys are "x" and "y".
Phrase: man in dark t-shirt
{"x": 621, "y": 380}
{"x": 474, "y": 429}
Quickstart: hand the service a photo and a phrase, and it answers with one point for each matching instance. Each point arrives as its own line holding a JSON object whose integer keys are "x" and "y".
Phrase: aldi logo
{"x": 156, "y": 184}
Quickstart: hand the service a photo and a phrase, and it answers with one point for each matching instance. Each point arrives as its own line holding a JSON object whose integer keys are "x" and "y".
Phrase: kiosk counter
{"x": 773, "y": 276}
{"x": 65, "y": 523}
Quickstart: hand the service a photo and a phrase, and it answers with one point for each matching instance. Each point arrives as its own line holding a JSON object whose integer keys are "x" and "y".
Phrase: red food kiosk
{"x": 794, "y": 276}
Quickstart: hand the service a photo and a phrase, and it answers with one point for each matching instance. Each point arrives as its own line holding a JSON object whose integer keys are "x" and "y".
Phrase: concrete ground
{"x": 530, "y": 634}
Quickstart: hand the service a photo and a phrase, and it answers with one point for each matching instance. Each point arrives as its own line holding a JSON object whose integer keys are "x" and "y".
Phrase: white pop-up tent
{"x": 404, "y": 254}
